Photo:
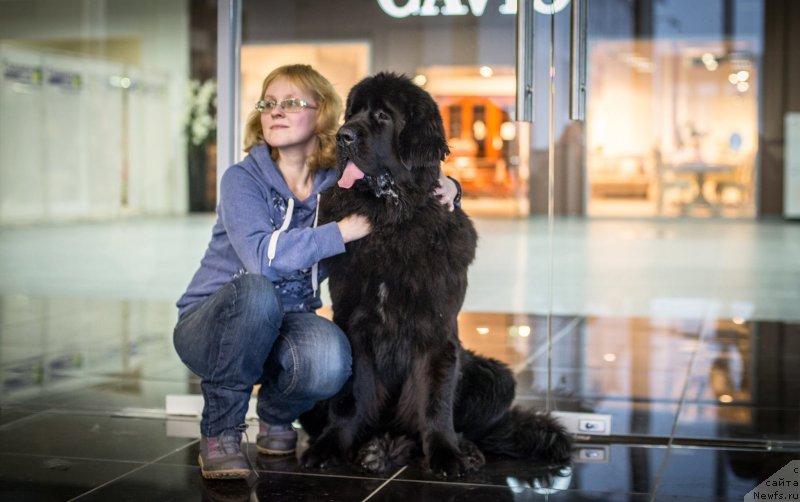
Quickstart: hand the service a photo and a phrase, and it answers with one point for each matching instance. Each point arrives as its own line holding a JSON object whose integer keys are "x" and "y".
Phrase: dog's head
{"x": 392, "y": 138}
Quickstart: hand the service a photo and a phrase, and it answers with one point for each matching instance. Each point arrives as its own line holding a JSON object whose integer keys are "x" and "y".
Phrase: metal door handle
{"x": 525, "y": 60}
{"x": 577, "y": 62}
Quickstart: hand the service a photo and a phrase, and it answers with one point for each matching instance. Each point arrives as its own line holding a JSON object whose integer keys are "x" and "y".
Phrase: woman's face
{"x": 285, "y": 130}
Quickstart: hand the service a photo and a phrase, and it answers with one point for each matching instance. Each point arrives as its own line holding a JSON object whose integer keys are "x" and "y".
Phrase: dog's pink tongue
{"x": 350, "y": 175}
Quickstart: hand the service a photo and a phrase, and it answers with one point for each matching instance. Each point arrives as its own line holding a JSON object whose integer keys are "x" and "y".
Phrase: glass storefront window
{"x": 673, "y": 109}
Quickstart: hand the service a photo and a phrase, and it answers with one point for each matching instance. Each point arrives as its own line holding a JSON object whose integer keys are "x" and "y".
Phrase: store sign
{"x": 23, "y": 74}
{"x": 458, "y": 8}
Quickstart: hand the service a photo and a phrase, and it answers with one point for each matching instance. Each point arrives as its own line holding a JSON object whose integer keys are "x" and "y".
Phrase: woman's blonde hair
{"x": 329, "y": 109}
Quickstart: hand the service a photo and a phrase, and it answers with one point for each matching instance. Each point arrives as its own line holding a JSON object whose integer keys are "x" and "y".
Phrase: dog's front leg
{"x": 436, "y": 376}
{"x": 346, "y": 420}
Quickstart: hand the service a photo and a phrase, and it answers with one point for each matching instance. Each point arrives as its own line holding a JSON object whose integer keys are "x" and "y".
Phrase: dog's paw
{"x": 560, "y": 450}
{"x": 322, "y": 454}
{"x": 374, "y": 456}
{"x": 447, "y": 462}
{"x": 555, "y": 443}
{"x": 381, "y": 454}
{"x": 473, "y": 456}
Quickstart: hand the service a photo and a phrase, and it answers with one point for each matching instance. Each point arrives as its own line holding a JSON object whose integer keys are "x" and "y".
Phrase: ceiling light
{"x": 708, "y": 58}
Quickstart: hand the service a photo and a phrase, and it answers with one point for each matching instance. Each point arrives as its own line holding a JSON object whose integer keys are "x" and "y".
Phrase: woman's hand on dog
{"x": 446, "y": 192}
{"x": 354, "y": 227}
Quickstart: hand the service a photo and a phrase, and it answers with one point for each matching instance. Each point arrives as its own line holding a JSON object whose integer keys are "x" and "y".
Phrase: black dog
{"x": 396, "y": 293}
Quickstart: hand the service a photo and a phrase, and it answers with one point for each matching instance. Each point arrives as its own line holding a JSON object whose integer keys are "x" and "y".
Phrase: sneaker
{"x": 222, "y": 457}
{"x": 276, "y": 439}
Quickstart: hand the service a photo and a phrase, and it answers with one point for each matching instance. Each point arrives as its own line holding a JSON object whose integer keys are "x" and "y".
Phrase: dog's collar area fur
{"x": 384, "y": 186}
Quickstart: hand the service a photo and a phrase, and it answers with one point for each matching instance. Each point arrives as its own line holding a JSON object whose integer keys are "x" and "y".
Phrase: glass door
{"x": 462, "y": 53}
{"x": 649, "y": 201}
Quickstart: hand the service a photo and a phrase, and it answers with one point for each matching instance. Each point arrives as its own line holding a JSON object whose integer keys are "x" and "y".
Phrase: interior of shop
{"x": 673, "y": 128}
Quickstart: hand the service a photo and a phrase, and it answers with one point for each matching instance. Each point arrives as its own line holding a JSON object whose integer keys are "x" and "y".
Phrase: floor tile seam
{"x": 309, "y": 474}
{"x": 17, "y": 421}
{"x": 543, "y": 348}
{"x": 385, "y": 483}
{"x": 270, "y": 471}
{"x": 447, "y": 483}
{"x": 705, "y": 329}
{"x": 122, "y": 476}
{"x": 321, "y": 475}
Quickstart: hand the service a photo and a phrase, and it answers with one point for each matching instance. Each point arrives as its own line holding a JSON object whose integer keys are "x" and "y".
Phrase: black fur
{"x": 396, "y": 293}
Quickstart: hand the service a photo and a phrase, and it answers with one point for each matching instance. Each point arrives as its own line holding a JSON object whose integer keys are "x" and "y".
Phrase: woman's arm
{"x": 246, "y": 217}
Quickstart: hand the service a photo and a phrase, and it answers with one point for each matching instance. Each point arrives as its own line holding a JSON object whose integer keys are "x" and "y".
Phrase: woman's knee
{"x": 257, "y": 300}
{"x": 326, "y": 367}
{"x": 338, "y": 367}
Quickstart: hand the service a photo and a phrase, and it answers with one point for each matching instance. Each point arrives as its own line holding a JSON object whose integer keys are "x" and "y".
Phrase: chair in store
{"x": 735, "y": 189}
{"x": 667, "y": 180}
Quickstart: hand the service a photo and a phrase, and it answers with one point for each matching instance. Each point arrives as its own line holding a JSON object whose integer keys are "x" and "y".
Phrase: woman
{"x": 248, "y": 315}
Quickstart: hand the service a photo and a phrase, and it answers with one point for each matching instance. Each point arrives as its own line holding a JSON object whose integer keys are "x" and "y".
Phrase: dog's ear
{"x": 422, "y": 142}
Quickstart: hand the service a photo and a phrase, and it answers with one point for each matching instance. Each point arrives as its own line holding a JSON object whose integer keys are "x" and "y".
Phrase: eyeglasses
{"x": 289, "y": 105}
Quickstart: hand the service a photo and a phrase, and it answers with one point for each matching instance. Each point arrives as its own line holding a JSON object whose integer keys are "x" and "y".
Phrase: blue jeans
{"x": 240, "y": 336}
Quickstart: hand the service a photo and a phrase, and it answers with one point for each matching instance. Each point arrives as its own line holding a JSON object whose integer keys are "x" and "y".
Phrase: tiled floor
{"x": 705, "y": 405}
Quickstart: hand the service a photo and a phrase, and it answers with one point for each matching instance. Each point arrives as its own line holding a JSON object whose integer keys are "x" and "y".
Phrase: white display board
{"x": 791, "y": 166}
{"x": 65, "y": 132}
{"x": 82, "y": 137}
{"x": 150, "y": 178}
{"x": 22, "y": 147}
{"x": 104, "y": 106}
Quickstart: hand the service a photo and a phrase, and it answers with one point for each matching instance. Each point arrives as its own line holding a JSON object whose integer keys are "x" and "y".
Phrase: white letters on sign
{"x": 457, "y": 7}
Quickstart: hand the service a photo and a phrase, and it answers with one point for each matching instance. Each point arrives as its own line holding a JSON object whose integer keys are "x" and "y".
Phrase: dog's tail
{"x": 527, "y": 434}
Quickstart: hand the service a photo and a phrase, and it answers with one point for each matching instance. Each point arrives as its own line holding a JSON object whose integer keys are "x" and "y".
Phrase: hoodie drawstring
{"x": 273, "y": 241}
{"x": 315, "y": 267}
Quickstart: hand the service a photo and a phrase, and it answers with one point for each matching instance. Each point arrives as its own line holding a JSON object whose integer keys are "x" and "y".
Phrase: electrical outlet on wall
{"x": 593, "y": 424}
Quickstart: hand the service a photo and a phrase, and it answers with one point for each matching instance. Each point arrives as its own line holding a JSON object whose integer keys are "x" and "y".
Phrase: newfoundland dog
{"x": 396, "y": 293}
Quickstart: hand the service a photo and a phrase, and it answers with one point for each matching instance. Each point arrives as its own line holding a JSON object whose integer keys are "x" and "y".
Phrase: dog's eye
{"x": 382, "y": 116}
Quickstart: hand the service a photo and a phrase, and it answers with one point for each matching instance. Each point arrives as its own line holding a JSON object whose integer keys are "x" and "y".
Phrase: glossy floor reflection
{"x": 701, "y": 409}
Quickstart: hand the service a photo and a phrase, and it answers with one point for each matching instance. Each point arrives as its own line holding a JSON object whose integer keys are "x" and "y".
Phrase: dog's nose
{"x": 345, "y": 136}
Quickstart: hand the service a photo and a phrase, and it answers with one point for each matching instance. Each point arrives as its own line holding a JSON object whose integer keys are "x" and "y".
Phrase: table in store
{"x": 699, "y": 170}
